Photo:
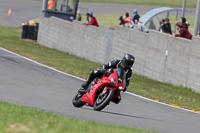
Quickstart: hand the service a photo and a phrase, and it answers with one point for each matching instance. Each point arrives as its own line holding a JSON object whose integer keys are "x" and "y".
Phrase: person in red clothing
{"x": 93, "y": 20}
{"x": 183, "y": 32}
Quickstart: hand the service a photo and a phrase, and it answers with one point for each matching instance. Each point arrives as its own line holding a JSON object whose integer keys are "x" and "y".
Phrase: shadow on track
{"x": 124, "y": 115}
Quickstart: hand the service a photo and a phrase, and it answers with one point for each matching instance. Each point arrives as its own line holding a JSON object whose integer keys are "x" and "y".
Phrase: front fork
{"x": 106, "y": 89}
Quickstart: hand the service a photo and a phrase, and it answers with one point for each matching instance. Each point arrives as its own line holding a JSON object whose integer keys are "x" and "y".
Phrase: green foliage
{"x": 165, "y": 3}
{"x": 158, "y": 3}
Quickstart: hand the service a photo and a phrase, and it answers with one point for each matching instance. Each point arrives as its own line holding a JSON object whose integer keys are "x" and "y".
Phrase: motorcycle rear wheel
{"x": 102, "y": 103}
{"x": 77, "y": 100}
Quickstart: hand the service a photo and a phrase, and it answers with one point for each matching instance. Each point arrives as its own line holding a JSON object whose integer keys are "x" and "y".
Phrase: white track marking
{"x": 85, "y": 80}
{"x": 161, "y": 102}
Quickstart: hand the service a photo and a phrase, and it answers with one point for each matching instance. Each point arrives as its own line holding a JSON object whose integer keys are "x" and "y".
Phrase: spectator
{"x": 93, "y": 21}
{"x": 183, "y": 32}
{"x": 161, "y": 22}
{"x": 139, "y": 26}
{"x": 135, "y": 15}
{"x": 122, "y": 22}
{"x": 88, "y": 15}
{"x": 128, "y": 21}
{"x": 166, "y": 27}
{"x": 78, "y": 15}
{"x": 183, "y": 21}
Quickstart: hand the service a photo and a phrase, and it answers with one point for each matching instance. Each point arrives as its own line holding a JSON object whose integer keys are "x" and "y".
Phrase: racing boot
{"x": 93, "y": 75}
{"x": 85, "y": 85}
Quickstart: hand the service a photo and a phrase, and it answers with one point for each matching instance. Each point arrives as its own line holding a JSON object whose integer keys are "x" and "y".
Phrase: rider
{"x": 126, "y": 63}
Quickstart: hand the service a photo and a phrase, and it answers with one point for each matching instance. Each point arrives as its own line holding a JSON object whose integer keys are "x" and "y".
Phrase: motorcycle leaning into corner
{"x": 102, "y": 91}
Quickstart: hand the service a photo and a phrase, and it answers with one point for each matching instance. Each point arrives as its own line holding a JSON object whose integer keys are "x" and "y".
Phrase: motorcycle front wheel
{"x": 103, "y": 100}
{"x": 77, "y": 100}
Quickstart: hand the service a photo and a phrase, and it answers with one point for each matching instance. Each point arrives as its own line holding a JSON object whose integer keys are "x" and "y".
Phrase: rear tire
{"x": 77, "y": 100}
{"x": 99, "y": 106}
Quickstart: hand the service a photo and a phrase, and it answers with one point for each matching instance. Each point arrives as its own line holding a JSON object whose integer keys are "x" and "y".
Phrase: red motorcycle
{"x": 100, "y": 93}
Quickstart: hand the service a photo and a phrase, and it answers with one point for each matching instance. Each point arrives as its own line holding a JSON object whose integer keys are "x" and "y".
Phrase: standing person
{"x": 51, "y": 4}
{"x": 139, "y": 26}
{"x": 183, "y": 32}
{"x": 166, "y": 27}
{"x": 128, "y": 21}
{"x": 135, "y": 15}
{"x": 93, "y": 21}
{"x": 78, "y": 16}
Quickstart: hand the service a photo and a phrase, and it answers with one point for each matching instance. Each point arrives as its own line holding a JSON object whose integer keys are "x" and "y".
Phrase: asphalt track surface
{"x": 23, "y": 11}
{"x": 26, "y": 83}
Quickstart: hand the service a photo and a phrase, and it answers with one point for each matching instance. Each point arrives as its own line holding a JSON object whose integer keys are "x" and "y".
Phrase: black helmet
{"x": 128, "y": 61}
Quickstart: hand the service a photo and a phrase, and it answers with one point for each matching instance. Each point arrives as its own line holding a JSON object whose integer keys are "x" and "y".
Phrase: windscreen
{"x": 121, "y": 73}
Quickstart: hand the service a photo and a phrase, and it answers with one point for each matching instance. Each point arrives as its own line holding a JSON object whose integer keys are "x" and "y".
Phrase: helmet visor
{"x": 127, "y": 64}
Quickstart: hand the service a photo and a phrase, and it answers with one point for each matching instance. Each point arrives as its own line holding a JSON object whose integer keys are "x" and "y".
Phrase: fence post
{"x": 109, "y": 45}
{"x": 197, "y": 19}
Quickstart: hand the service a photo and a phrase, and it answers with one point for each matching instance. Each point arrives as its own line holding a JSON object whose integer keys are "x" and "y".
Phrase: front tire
{"x": 77, "y": 100}
{"x": 102, "y": 103}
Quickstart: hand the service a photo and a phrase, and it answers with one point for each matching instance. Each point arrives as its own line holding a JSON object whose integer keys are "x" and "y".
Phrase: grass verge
{"x": 168, "y": 3}
{"x": 184, "y": 97}
{"x": 18, "y": 119}
{"x": 158, "y": 3}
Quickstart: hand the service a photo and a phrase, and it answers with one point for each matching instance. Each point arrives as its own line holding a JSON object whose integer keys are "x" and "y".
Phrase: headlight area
{"x": 113, "y": 81}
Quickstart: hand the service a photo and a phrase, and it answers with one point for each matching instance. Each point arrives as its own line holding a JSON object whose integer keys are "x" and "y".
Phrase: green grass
{"x": 18, "y": 119}
{"x": 158, "y": 3}
{"x": 169, "y": 3}
{"x": 10, "y": 39}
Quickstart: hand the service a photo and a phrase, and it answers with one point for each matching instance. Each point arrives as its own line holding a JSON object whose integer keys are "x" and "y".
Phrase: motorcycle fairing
{"x": 89, "y": 97}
